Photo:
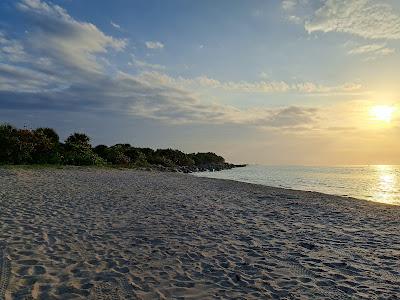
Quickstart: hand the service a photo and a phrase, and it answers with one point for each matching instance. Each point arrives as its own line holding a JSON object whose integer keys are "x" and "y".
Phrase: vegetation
{"x": 43, "y": 146}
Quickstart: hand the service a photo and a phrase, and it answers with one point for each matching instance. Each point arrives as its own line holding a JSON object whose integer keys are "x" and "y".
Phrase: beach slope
{"x": 79, "y": 233}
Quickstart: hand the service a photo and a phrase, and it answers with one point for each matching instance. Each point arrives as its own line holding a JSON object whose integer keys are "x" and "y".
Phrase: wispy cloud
{"x": 115, "y": 25}
{"x": 10, "y": 49}
{"x": 289, "y": 5}
{"x": 143, "y": 64}
{"x": 364, "y": 18}
{"x": 372, "y": 51}
{"x": 154, "y": 45}
{"x": 295, "y": 19}
{"x": 263, "y": 86}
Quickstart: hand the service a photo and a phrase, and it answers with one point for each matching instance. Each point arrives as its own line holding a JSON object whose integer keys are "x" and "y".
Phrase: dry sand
{"x": 113, "y": 234}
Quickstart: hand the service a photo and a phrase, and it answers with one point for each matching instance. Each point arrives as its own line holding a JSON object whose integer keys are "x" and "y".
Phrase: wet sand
{"x": 121, "y": 234}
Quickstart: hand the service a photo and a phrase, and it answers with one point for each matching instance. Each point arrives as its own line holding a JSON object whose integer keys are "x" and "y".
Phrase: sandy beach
{"x": 120, "y": 234}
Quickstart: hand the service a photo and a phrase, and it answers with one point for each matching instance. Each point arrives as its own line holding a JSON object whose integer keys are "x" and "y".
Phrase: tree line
{"x": 43, "y": 146}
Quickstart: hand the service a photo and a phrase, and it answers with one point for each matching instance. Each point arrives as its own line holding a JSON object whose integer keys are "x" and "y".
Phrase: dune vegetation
{"x": 43, "y": 146}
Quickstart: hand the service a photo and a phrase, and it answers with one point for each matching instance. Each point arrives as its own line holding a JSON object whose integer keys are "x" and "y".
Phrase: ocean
{"x": 379, "y": 183}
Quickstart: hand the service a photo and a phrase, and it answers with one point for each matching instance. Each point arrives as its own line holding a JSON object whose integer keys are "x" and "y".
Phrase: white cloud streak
{"x": 141, "y": 64}
{"x": 154, "y": 45}
{"x": 372, "y": 51}
{"x": 364, "y": 18}
{"x": 115, "y": 25}
{"x": 250, "y": 87}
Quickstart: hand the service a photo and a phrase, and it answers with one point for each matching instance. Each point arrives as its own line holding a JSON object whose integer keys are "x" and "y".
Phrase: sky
{"x": 293, "y": 82}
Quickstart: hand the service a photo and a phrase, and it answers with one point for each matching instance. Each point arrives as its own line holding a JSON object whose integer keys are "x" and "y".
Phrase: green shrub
{"x": 42, "y": 146}
{"x": 202, "y": 159}
{"x": 8, "y": 144}
{"x": 46, "y": 147}
{"x": 78, "y": 151}
{"x": 102, "y": 151}
{"x": 82, "y": 157}
{"x": 177, "y": 157}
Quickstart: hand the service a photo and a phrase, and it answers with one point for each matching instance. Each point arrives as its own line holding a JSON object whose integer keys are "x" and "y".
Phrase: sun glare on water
{"x": 382, "y": 113}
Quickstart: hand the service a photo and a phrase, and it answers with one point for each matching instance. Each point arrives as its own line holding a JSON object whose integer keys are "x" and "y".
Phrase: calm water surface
{"x": 375, "y": 183}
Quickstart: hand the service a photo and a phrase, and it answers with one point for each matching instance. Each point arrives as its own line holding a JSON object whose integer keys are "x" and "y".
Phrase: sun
{"x": 382, "y": 113}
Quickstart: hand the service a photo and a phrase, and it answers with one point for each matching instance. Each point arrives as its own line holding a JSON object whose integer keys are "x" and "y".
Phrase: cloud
{"x": 372, "y": 51}
{"x": 61, "y": 65}
{"x": 154, "y": 45}
{"x": 364, "y": 18}
{"x": 11, "y": 49}
{"x": 143, "y": 64}
{"x": 115, "y": 25}
{"x": 23, "y": 79}
{"x": 295, "y": 19}
{"x": 289, "y": 4}
{"x": 263, "y": 86}
{"x": 133, "y": 95}
{"x": 56, "y": 35}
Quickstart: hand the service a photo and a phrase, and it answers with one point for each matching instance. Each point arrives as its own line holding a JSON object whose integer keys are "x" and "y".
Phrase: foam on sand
{"x": 112, "y": 234}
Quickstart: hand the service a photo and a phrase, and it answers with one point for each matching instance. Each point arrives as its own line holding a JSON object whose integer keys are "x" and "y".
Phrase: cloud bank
{"x": 62, "y": 64}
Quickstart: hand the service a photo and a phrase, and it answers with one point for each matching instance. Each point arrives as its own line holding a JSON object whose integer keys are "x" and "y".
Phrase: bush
{"x": 102, "y": 151}
{"x": 77, "y": 140}
{"x": 47, "y": 146}
{"x": 82, "y": 157}
{"x": 116, "y": 155}
{"x": 209, "y": 158}
{"x": 161, "y": 160}
{"x": 25, "y": 147}
{"x": 8, "y": 142}
{"x": 136, "y": 156}
{"x": 177, "y": 157}
{"x": 42, "y": 145}
{"x": 79, "y": 152}
{"x": 49, "y": 133}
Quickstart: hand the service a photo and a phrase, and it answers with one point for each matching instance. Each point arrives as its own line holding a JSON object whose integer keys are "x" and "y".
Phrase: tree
{"x": 8, "y": 144}
{"x": 46, "y": 146}
{"x": 25, "y": 146}
{"x": 78, "y": 151}
{"x": 202, "y": 159}
{"x": 116, "y": 155}
{"x": 42, "y": 145}
{"x": 79, "y": 140}
{"x": 49, "y": 133}
{"x": 101, "y": 150}
{"x": 177, "y": 157}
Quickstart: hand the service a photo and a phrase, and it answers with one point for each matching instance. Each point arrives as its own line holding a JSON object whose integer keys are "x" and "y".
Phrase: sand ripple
{"x": 112, "y": 234}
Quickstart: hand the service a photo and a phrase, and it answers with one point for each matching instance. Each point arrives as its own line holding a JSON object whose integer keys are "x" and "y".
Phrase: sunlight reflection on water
{"x": 380, "y": 183}
{"x": 386, "y": 187}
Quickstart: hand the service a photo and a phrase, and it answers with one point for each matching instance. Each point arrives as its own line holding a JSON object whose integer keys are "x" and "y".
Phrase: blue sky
{"x": 274, "y": 82}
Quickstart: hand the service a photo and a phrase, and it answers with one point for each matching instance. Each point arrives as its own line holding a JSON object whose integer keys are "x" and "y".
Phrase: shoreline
{"x": 157, "y": 170}
{"x": 335, "y": 190}
{"x": 142, "y": 169}
{"x": 298, "y": 190}
{"x": 92, "y": 233}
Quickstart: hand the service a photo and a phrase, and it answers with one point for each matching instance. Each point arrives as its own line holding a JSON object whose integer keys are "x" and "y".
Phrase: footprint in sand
{"x": 5, "y": 270}
{"x": 120, "y": 289}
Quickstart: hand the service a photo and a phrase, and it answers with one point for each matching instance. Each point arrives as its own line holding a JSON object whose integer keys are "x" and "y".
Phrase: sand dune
{"x": 113, "y": 234}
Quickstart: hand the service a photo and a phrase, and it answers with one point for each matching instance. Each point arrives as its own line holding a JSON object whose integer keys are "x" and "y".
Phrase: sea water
{"x": 380, "y": 183}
